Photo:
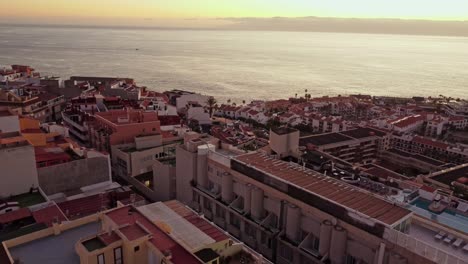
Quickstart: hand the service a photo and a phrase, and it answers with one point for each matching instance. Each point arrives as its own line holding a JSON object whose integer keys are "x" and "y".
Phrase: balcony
{"x": 208, "y": 213}
{"x": 234, "y": 230}
{"x": 72, "y": 123}
{"x": 221, "y": 222}
{"x": 238, "y": 205}
{"x": 271, "y": 223}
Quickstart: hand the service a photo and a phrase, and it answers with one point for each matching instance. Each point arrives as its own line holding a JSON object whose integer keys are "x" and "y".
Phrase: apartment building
{"x": 121, "y": 127}
{"x": 291, "y": 214}
{"x": 43, "y": 106}
{"x": 359, "y": 145}
{"x": 131, "y": 160}
{"x": 435, "y": 149}
{"x": 156, "y": 233}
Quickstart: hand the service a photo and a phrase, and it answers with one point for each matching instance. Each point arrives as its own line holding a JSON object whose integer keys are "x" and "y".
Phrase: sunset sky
{"x": 101, "y": 10}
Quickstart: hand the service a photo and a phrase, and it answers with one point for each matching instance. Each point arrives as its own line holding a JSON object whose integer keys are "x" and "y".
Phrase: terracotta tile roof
{"x": 329, "y": 188}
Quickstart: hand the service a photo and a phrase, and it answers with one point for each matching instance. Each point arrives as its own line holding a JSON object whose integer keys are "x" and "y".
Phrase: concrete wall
{"x": 18, "y": 170}
{"x": 148, "y": 141}
{"x": 186, "y": 171}
{"x": 284, "y": 144}
{"x": 164, "y": 179}
{"x": 74, "y": 175}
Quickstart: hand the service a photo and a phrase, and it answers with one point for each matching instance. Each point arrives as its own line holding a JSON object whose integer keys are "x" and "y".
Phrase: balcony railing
{"x": 421, "y": 248}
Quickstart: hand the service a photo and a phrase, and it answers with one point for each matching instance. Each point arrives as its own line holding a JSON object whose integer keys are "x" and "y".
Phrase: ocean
{"x": 245, "y": 65}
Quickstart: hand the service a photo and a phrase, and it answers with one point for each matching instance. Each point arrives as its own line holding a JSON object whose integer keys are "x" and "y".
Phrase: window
{"x": 265, "y": 239}
{"x": 235, "y": 220}
{"x": 350, "y": 259}
{"x": 118, "y": 259}
{"x": 136, "y": 249}
{"x": 315, "y": 242}
{"x": 286, "y": 253}
{"x": 101, "y": 259}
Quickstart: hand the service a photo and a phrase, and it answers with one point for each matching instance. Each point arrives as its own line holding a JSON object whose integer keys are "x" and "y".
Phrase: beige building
{"x": 291, "y": 214}
{"x": 156, "y": 233}
{"x": 138, "y": 158}
{"x": 164, "y": 179}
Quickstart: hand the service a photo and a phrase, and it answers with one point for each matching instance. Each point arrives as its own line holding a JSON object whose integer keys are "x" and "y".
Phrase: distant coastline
{"x": 417, "y": 27}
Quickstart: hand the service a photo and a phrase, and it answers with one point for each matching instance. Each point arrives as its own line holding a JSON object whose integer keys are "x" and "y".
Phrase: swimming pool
{"x": 448, "y": 217}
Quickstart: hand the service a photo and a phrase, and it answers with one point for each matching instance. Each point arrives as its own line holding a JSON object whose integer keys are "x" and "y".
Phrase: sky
{"x": 203, "y": 13}
{"x": 420, "y": 9}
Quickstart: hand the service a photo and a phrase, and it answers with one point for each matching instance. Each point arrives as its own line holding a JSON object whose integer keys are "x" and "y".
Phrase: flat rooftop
{"x": 418, "y": 157}
{"x": 423, "y": 234}
{"x": 323, "y": 139}
{"x": 458, "y": 174}
{"x": 283, "y": 130}
{"x": 326, "y": 188}
{"x": 331, "y": 138}
{"x": 54, "y": 249}
{"x": 363, "y": 132}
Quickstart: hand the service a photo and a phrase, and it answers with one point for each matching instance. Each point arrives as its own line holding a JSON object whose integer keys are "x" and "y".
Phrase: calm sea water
{"x": 244, "y": 65}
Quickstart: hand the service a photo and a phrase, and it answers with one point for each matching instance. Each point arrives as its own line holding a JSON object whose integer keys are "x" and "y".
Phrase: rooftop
{"x": 161, "y": 240}
{"x": 209, "y": 229}
{"x": 363, "y": 132}
{"x": 418, "y": 157}
{"x": 283, "y": 130}
{"x": 49, "y": 215}
{"x": 325, "y": 188}
{"x": 331, "y": 138}
{"x": 453, "y": 174}
{"x": 323, "y": 139}
{"x": 63, "y": 246}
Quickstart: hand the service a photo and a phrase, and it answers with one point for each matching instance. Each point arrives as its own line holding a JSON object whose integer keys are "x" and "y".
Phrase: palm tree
{"x": 305, "y": 93}
{"x": 229, "y": 101}
{"x": 296, "y": 95}
{"x": 211, "y": 102}
{"x": 243, "y": 101}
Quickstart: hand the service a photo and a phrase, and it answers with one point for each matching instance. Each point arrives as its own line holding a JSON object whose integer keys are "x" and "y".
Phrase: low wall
{"x": 56, "y": 229}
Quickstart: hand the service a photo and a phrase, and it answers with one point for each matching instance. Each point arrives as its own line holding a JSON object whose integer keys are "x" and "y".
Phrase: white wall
{"x": 199, "y": 114}
{"x": 182, "y": 101}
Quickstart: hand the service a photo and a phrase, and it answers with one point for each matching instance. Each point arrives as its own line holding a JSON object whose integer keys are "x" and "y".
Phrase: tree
{"x": 243, "y": 101}
{"x": 211, "y": 102}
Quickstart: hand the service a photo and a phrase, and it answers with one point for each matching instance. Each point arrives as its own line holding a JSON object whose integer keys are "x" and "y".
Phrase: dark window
{"x": 136, "y": 249}
{"x": 286, "y": 253}
{"x": 350, "y": 259}
{"x": 235, "y": 220}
